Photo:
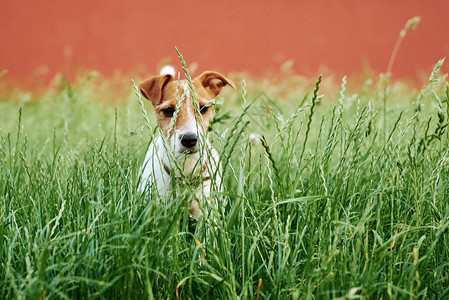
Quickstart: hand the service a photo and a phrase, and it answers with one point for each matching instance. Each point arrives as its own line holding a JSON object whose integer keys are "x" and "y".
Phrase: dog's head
{"x": 191, "y": 120}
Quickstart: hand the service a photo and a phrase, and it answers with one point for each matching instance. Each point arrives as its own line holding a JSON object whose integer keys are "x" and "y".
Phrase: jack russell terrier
{"x": 183, "y": 149}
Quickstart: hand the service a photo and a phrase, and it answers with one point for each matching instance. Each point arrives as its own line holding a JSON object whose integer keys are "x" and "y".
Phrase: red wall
{"x": 44, "y": 37}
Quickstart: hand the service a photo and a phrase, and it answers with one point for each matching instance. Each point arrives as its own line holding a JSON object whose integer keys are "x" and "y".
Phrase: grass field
{"x": 326, "y": 196}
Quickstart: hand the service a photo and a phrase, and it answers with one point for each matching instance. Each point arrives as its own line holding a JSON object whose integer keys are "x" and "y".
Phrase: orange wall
{"x": 255, "y": 36}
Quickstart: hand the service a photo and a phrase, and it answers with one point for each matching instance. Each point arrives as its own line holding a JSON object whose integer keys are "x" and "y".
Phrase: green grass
{"x": 340, "y": 196}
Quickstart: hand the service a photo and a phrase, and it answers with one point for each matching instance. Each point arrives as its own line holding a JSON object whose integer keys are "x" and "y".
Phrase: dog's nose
{"x": 189, "y": 140}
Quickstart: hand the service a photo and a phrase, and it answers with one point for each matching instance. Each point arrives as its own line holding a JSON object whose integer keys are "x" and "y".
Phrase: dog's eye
{"x": 168, "y": 112}
{"x": 203, "y": 109}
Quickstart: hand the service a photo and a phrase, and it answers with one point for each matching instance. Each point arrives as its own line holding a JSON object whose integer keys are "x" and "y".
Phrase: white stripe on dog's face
{"x": 190, "y": 124}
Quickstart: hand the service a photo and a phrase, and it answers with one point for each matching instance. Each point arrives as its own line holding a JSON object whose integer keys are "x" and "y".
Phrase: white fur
{"x": 167, "y": 69}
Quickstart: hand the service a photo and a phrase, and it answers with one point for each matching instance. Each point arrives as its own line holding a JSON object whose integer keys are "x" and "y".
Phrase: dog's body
{"x": 183, "y": 151}
{"x": 157, "y": 173}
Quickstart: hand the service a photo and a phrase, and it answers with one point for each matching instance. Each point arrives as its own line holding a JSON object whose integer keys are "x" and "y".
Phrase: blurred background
{"x": 353, "y": 37}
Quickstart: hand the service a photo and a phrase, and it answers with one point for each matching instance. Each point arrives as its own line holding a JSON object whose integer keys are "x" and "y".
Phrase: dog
{"x": 183, "y": 151}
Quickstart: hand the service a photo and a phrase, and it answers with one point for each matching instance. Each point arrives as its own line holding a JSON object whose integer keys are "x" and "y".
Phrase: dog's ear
{"x": 152, "y": 87}
{"x": 214, "y": 81}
